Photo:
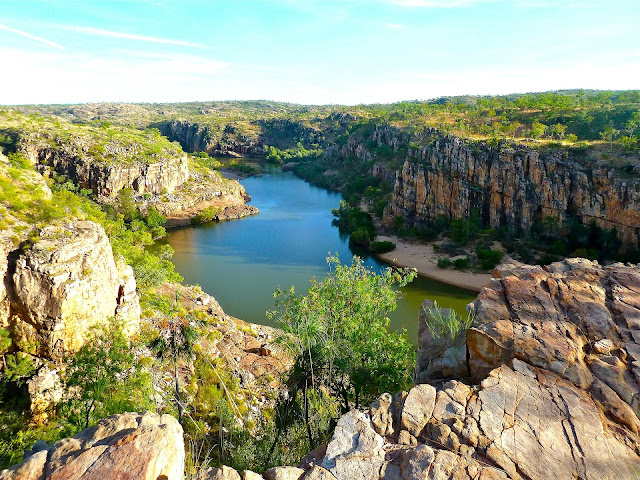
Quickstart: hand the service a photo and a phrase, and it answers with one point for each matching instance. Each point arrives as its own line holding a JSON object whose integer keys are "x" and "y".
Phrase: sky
{"x": 313, "y": 52}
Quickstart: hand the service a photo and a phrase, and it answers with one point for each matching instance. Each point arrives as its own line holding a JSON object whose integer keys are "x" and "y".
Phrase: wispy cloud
{"x": 395, "y": 26}
{"x": 32, "y": 37}
{"x": 129, "y": 36}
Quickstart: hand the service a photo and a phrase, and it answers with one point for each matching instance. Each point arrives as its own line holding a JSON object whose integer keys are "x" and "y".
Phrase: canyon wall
{"x": 106, "y": 178}
{"x": 511, "y": 187}
{"x": 201, "y": 138}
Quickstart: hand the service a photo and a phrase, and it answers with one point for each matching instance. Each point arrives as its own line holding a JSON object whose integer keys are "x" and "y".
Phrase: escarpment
{"x": 512, "y": 187}
{"x": 201, "y": 138}
{"x": 57, "y": 289}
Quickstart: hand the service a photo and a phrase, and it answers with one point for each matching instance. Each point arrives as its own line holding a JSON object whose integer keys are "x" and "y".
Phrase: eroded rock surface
{"x": 52, "y": 290}
{"x": 575, "y": 318}
{"x": 145, "y": 447}
{"x": 510, "y": 187}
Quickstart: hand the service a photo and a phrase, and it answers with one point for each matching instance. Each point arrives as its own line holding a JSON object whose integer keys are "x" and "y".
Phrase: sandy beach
{"x": 422, "y": 257}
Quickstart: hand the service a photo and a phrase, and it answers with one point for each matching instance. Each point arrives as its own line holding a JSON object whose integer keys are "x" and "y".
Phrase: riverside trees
{"x": 338, "y": 334}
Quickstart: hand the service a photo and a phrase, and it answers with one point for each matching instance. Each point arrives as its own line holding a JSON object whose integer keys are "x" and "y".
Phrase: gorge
{"x": 539, "y": 381}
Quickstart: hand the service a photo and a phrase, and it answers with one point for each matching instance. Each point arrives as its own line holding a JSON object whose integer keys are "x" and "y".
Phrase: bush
{"x": 362, "y": 236}
{"x": 444, "y": 324}
{"x": 462, "y": 263}
{"x": 444, "y": 262}
{"x": 207, "y": 215}
{"x": 382, "y": 247}
{"x": 488, "y": 258}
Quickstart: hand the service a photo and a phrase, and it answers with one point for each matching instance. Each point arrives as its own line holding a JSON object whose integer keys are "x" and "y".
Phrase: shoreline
{"x": 422, "y": 257}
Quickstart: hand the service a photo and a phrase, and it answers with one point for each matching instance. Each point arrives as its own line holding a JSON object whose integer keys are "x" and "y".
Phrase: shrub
{"x": 488, "y": 258}
{"x": 362, "y": 236}
{"x": 382, "y": 247}
{"x": 444, "y": 262}
{"x": 445, "y": 324}
{"x": 462, "y": 263}
{"x": 207, "y": 215}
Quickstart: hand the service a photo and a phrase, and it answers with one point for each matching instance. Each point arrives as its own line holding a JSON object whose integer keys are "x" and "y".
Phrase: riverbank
{"x": 422, "y": 257}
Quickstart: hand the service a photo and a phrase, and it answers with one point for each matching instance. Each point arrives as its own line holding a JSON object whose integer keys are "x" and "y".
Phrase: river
{"x": 242, "y": 262}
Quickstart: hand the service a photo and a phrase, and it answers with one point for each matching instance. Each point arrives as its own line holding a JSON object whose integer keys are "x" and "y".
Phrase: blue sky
{"x": 349, "y": 51}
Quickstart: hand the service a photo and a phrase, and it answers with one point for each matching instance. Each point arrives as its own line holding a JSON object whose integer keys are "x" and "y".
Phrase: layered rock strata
{"x": 144, "y": 447}
{"x": 106, "y": 179}
{"x": 200, "y": 138}
{"x": 511, "y": 187}
{"x": 48, "y": 296}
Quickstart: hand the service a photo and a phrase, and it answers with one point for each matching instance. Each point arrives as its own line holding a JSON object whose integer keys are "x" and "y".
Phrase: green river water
{"x": 241, "y": 262}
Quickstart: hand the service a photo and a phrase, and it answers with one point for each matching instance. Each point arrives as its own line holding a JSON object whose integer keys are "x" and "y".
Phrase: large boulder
{"x": 144, "y": 447}
{"x": 575, "y": 318}
{"x": 64, "y": 285}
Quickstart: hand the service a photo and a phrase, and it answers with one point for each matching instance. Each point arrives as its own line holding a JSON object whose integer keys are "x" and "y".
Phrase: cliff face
{"x": 198, "y": 138}
{"x": 48, "y": 299}
{"x": 107, "y": 179}
{"x": 513, "y": 187}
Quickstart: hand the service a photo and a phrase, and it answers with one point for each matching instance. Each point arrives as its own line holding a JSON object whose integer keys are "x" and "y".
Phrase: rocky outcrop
{"x": 575, "y": 318}
{"x": 63, "y": 285}
{"x": 195, "y": 137}
{"x": 107, "y": 178}
{"x": 203, "y": 191}
{"x": 512, "y": 187}
{"x": 145, "y": 447}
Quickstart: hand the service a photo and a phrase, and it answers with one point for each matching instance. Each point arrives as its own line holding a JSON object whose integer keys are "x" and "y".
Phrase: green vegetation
{"x": 209, "y": 214}
{"x": 339, "y": 334}
{"x": 382, "y": 247}
{"x": 106, "y": 377}
{"x": 445, "y": 325}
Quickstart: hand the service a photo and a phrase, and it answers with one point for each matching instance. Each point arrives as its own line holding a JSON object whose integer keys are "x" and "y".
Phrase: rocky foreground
{"x": 552, "y": 359}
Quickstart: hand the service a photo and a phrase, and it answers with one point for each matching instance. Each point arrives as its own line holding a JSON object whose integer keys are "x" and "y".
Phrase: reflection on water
{"x": 242, "y": 262}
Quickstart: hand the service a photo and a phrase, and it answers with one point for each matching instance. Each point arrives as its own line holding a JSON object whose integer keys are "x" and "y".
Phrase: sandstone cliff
{"x": 195, "y": 137}
{"x": 511, "y": 187}
{"x": 48, "y": 298}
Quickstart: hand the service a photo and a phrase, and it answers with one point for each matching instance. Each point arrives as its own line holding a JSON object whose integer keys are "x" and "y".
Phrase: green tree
{"x": 339, "y": 333}
{"x": 175, "y": 341}
{"x": 609, "y": 134}
{"x": 538, "y": 129}
{"x": 108, "y": 378}
{"x": 126, "y": 204}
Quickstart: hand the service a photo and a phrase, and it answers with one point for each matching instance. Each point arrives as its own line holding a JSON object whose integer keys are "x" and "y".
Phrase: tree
{"x": 538, "y": 129}
{"x": 127, "y": 204}
{"x": 339, "y": 333}
{"x": 175, "y": 340}
{"x": 633, "y": 123}
{"x": 558, "y": 130}
{"x": 108, "y": 378}
{"x": 609, "y": 134}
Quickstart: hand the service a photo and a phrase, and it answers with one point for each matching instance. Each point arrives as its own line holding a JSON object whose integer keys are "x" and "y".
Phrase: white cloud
{"x": 395, "y": 26}
{"x": 128, "y": 36}
{"x": 40, "y": 77}
{"x": 33, "y": 37}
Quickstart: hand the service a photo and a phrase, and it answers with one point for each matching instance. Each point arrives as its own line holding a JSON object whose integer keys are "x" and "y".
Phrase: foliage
{"x": 444, "y": 324}
{"x": 444, "y": 262}
{"x": 209, "y": 214}
{"x": 382, "y": 246}
{"x": 19, "y": 367}
{"x": 462, "y": 263}
{"x": 488, "y": 258}
{"x": 108, "y": 378}
{"x": 176, "y": 339}
{"x": 126, "y": 204}
{"x": 361, "y": 236}
{"x": 339, "y": 333}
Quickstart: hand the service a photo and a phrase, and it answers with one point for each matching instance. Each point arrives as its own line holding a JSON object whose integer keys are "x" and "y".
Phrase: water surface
{"x": 242, "y": 262}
